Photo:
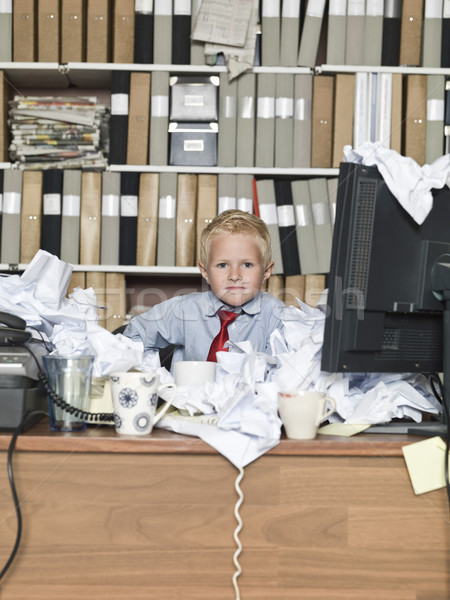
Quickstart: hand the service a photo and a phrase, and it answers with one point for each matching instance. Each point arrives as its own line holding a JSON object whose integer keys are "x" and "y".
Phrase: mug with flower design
{"x": 135, "y": 397}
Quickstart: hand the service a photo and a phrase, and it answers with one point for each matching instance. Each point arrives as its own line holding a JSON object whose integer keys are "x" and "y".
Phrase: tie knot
{"x": 226, "y": 316}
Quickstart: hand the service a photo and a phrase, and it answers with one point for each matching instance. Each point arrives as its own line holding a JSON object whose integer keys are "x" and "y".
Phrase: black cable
{"x": 11, "y": 447}
{"x": 435, "y": 380}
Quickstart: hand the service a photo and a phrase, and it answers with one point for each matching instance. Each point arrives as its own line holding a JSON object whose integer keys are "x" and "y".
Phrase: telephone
{"x": 12, "y": 330}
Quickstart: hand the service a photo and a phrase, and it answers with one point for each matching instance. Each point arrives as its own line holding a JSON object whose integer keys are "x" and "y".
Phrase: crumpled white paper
{"x": 410, "y": 183}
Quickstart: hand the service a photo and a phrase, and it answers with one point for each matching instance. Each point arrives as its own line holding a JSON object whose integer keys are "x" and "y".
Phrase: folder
{"x": 310, "y": 36}
{"x": 270, "y": 32}
{"x": 244, "y": 193}
{"x": 286, "y": 227}
{"x": 320, "y": 209}
{"x": 123, "y": 31}
{"x": 445, "y": 38}
{"x": 197, "y": 54}
{"x": 181, "y": 32}
{"x": 284, "y": 120}
{"x": 354, "y": 41}
{"x": 110, "y": 225}
{"x": 6, "y": 32}
{"x": 90, "y": 218}
{"x": 289, "y": 33}
{"x": 294, "y": 287}
{"x": 392, "y": 21}
{"x": 97, "y": 281}
{"x": 24, "y": 31}
{"x": 118, "y": 125}
{"x": 12, "y": 203}
{"x": 416, "y": 117}
{"x": 245, "y": 126}
{"x": 73, "y": 31}
{"x": 129, "y": 197}
{"x": 265, "y": 120}
{"x": 343, "y": 115}
{"x": 336, "y": 33}
{"x": 373, "y": 32}
{"x": 372, "y": 106}
{"x": 434, "y": 132}
{"x": 30, "y": 225}
{"x": 70, "y": 218}
{"x": 4, "y": 128}
{"x": 332, "y": 186}
{"x": 411, "y": 33}
{"x": 52, "y": 187}
{"x": 384, "y": 109}
{"x": 115, "y": 301}
{"x": 360, "y": 120}
{"x": 306, "y": 240}
{"x": 167, "y": 208}
{"x": 432, "y": 33}
{"x": 268, "y": 212}
{"x": 322, "y": 121}
{"x": 397, "y": 112}
{"x": 185, "y": 220}
{"x": 302, "y": 120}
{"x": 314, "y": 287}
{"x": 48, "y": 32}
{"x": 226, "y": 148}
{"x": 206, "y": 205}
{"x": 226, "y": 192}
{"x": 77, "y": 279}
{"x": 147, "y": 227}
{"x": 162, "y": 34}
{"x": 143, "y": 32}
{"x": 138, "y": 119}
{"x": 159, "y": 118}
{"x": 98, "y": 39}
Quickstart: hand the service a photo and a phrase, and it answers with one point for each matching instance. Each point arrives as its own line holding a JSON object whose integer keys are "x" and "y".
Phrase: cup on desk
{"x": 135, "y": 398}
{"x": 70, "y": 379}
{"x": 302, "y": 412}
{"x": 193, "y": 372}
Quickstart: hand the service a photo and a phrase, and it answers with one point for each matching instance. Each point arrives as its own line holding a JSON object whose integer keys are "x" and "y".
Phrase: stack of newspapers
{"x": 58, "y": 132}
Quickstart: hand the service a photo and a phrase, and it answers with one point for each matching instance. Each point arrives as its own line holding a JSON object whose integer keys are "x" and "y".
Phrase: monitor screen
{"x": 383, "y": 316}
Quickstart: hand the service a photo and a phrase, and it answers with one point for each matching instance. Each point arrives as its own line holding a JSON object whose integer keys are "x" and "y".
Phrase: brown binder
{"x": 322, "y": 121}
{"x": 115, "y": 300}
{"x": 48, "y": 33}
{"x": 73, "y": 29}
{"x": 186, "y": 220}
{"x": 30, "y": 218}
{"x": 206, "y": 205}
{"x": 343, "y": 115}
{"x": 275, "y": 286}
{"x": 78, "y": 279}
{"x": 416, "y": 117}
{"x": 314, "y": 286}
{"x": 97, "y": 281}
{"x": 24, "y": 31}
{"x": 147, "y": 227}
{"x": 98, "y": 42}
{"x": 4, "y": 129}
{"x": 411, "y": 33}
{"x": 294, "y": 288}
{"x": 396, "y": 112}
{"x": 90, "y": 218}
{"x": 123, "y": 31}
{"x": 138, "y": 119}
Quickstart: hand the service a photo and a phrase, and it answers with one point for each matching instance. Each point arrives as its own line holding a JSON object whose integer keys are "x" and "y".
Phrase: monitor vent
{"x": 362, "y": 242}
{"x": 410, "y": 344}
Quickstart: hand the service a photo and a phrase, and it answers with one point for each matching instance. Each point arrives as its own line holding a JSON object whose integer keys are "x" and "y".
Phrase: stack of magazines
{"x": 58, "y": 132}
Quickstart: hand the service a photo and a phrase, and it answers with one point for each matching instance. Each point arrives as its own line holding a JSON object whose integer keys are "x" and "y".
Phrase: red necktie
{"x": 218, "y": 343}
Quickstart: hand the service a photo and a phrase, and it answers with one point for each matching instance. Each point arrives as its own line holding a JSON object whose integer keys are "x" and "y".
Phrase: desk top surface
{"x": 103, "y": 438}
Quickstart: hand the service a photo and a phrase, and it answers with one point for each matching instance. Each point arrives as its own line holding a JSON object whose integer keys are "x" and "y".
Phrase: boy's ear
{"x": 268, "y": 271}
{"x": 203, "y": 271}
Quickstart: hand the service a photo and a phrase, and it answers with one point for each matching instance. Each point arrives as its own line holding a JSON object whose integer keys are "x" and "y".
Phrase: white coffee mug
{"x": 302, "y": 411}
{"x": 193, "y": 372}
{"x": 135, "y": 396}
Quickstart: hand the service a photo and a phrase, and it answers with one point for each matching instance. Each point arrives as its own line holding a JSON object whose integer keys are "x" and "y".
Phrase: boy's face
{"x": 235, "y": 269}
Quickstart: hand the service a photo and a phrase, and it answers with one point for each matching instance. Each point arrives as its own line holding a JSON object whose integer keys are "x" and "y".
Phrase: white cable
{"x": 236, "y": 532}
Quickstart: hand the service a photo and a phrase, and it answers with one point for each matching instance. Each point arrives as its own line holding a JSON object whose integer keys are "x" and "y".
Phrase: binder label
{"x": 143, "y": 7}
{"x": 315, "y": 8}
{"x": 270, "y": 8}
{"x": 128, "y": 206}
{"x": 268, "y": 213}
{"x": 11, "y": 203}
{"x": 228, "y": 107}
{"x": 302, "y": 110}
{"x": 321, "y": 213}
{"x": 435, "y": 110}
{"x": 356, "y": 8}
{"x": 291, "y": 9}
{"x": 182, "y": 7}
{"x": 163, "y": 8}
{"x": 245, "y": 204}
{"x": 285, "y": 214}
{"x": 303, "y": 214}
{"x": 284, "y": 108}
{"x": 71, "y": 205}
{"x": 266, "y": 107}
{"x": 160, "y": 106}
{"x": 119, "y": 104}
{"x": 433, "y": 9}
{"x": 337, "y": 8}
{"x": 446, "y": 9}
{"x": 226, "y": 203}
{"x": 246, "y": 108}
{"x": 375, "y": 8}
{"x": 110, "y": 205}
{"x": 5, "y": 6}
{"x": 193, "y": 145}
{"x": 167, "y": 207}
{"x": 194, "y": 100}
{"x": 52, "y": 204}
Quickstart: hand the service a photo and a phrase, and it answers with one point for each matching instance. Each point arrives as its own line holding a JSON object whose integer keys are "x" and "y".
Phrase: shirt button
{"x": 233, "y": 326}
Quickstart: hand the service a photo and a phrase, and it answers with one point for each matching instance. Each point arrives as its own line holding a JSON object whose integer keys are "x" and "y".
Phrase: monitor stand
{"x": 427, "y": 429}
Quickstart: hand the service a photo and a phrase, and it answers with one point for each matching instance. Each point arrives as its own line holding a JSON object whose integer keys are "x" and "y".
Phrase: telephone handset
{"x": 12, "y": 330}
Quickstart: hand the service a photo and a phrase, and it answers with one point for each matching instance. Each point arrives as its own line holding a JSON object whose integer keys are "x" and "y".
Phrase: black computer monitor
{"x": 384, "y": 314}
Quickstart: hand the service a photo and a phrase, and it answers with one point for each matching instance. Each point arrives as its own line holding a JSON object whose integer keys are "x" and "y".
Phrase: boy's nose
{"x": 234, "y": 274}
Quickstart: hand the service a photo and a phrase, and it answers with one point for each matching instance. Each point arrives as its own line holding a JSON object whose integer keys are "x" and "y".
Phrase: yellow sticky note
{"x": 425, "y": 461}
{"x": 343, "y": 429}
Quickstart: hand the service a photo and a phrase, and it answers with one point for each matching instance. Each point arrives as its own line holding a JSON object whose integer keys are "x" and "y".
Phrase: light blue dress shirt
{"x": 191, "y": 323}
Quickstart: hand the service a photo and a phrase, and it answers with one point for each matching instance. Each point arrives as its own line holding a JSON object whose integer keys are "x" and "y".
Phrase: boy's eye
{"x": 247, "y": 265}
{"x": 222, "y": 265}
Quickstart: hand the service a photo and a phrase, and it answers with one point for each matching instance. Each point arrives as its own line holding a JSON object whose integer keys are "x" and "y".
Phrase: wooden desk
{"x": 115, "y": 518}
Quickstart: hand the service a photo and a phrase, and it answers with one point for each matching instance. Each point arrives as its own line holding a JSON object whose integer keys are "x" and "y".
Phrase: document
{"x": 223, "y": 22}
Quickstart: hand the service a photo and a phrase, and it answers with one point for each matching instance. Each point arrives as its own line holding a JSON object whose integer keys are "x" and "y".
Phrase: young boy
{"x": 235, "y": 260}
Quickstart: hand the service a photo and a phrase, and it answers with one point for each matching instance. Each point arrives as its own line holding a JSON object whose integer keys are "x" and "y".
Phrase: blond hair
{"x": 238, "y": 222}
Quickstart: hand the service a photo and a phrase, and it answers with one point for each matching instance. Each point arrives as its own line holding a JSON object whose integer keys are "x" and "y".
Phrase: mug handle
{"x": 329, "y": 412}
{"x": 168, "y": 403}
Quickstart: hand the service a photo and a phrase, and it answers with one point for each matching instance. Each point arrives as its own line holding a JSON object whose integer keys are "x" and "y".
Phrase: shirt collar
{"x": 213, "y": 304}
